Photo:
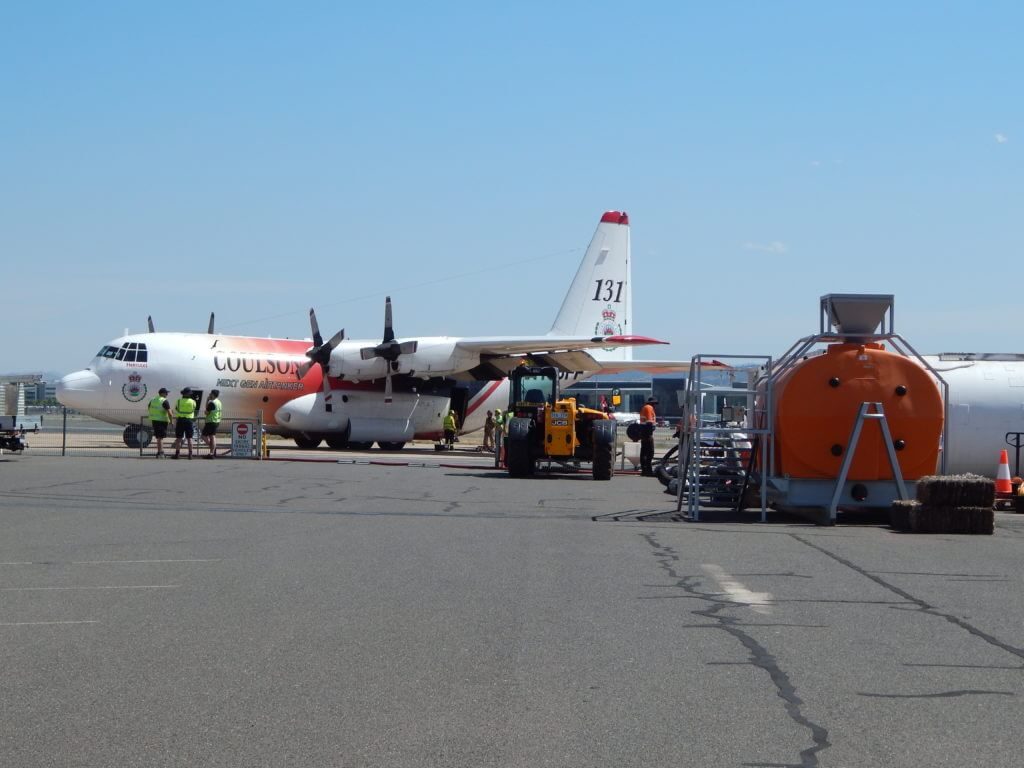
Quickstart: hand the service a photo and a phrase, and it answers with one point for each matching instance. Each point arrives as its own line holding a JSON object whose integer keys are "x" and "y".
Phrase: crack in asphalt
{"x": 917, "y": 603}
{"x": 760, "y": 656}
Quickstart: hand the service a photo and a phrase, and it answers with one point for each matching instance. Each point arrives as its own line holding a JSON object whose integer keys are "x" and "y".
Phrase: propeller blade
{"x": 303, "y": 369}
{"x": 336, "y": 339}
{"x": 368, "y": 353}
{"x": 407, "y": 347}
{"x": 318, "y": 340}
{"x": 152, "y": 328}
{"x": 327, "y": 392}
{"x": 389, "y": 331}
{"x": 387, "y": 387}
{"x": 209, "y": 328}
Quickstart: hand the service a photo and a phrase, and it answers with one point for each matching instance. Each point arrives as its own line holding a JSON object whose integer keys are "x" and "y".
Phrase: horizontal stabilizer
{"x": 653, "y": 366}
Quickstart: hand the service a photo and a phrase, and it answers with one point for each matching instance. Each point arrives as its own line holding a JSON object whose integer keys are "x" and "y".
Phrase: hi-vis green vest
{"x": 185, "y": 408}
{"x": 449, "y": 421}
{"x": 157, "y": 412}
{"x": 213, "y": 416}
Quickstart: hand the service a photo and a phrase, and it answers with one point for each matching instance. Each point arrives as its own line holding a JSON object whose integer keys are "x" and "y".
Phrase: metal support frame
{"x": 759, "y": 424}
{"x": 864, "y": 414}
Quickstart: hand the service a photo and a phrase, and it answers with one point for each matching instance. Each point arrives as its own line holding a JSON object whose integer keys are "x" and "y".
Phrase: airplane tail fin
{"x": 600, "y": 299}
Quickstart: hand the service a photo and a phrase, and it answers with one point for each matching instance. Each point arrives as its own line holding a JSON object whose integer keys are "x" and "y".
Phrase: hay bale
{"x": 956, "y": 491}
{"x": 959, "y": 520}
{"x": 899, "y": 514}
{"x": 977, "y": 491}
{"x": 981, "y": 520}
{"x": 923, "y": 519}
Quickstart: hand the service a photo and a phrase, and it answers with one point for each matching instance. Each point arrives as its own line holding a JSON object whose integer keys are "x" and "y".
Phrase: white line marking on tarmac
{"x": 758, "y": 601}
{"x": 17, "y": 563}
{"x": 41, "y": 623}
{"x": 109, "y": 562}
{"x": 133, "y": 586}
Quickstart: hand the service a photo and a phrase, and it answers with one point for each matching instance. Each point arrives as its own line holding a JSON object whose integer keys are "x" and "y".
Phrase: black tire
{"x": 388, "y": 445}
{"x": 135, "y": 436}
{"x": 517, "y": 455}
{"x": 360, "y": 445}
{"x": 604, "y": 460}
{"x": 336, "y": 442}
{"x": 307, "y": 442}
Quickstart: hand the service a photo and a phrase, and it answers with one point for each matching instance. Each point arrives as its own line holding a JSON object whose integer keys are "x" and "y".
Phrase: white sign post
{"x": 242, "y": 436}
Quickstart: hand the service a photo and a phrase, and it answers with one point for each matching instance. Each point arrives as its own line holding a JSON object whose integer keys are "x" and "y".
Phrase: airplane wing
{"x": 500, "y": 354}
{"x": 501, "y": 346}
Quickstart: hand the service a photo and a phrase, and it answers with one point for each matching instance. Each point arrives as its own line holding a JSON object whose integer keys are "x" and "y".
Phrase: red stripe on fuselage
{"x": 482, "y": 397}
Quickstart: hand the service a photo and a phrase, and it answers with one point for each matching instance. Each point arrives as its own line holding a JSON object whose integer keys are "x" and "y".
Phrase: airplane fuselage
{"x": 252, "y": 375}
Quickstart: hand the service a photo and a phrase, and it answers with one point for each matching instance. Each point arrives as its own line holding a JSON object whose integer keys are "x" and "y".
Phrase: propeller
{"x": 152, "y": 328}
{"x": 388, "y": 350}
{"x": 320, "y": 354}
{"x": 209, "y": 328}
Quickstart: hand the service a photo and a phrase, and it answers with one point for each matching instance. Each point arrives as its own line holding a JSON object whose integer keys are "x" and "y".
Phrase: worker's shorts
{"x": 183, "y": 428}
{"x": 160, "y": 429}
{"x": 210, "y": 428}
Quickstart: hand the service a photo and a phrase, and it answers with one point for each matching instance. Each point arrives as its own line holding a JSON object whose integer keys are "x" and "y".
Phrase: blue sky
{"x": 256, "y": 160}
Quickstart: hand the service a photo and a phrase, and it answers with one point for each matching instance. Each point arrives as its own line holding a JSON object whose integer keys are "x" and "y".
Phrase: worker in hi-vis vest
{"x": 184, "y": 421}
{"x": 160, "y": 418}
{"x": 450, "y": 426}
{"x": 213, "y": 414}
{"x": 648, "y": 420}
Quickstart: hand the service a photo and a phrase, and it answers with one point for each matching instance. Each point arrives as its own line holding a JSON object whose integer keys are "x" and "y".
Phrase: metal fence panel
{"x": 66, "y": 432}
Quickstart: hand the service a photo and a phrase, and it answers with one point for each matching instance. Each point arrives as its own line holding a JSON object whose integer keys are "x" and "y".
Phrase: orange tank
{"x": 816, "y": 404}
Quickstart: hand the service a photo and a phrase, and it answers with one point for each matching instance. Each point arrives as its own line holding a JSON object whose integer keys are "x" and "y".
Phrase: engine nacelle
{"x": 434, "y": 356}
{"x": 364, "y": 416}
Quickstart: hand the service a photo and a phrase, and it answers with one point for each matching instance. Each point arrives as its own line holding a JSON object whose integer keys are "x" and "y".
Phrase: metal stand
{"x": 694, "y": 432}
{"x": 864, "y": 414}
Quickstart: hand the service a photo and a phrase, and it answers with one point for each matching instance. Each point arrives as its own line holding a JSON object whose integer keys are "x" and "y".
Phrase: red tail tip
{"x": 615, "y": 217}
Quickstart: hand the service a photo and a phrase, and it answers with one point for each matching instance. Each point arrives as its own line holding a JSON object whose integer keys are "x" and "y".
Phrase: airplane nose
{"x": 76, "y": 389}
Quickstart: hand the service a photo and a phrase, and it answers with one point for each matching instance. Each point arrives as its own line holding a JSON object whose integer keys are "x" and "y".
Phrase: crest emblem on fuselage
{"x": 134, "y": 390}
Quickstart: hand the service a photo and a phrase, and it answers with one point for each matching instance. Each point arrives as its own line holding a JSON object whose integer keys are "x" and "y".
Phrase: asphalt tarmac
{"x": 243, "y": 613}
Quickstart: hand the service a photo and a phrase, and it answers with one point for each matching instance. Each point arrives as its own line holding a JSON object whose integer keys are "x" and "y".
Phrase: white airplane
{"x": 986, "y": 406}
{"x": 353, "y": 393}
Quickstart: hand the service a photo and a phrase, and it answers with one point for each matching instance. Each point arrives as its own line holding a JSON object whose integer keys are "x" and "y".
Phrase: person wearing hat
{"x": 213, "y": 413}
{"x": 450, "y": 425}
{"x": 648, "y": 420}
{"x": 160, "y": 418}
{"x": 489, "y": 432}
{"x": 185, "y": 419}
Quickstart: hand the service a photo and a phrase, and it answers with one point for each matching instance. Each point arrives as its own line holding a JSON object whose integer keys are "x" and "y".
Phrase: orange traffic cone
{"x": 1003, "y": 484}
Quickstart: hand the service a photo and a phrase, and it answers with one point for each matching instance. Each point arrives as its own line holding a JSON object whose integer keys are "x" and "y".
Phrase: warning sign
{"x": 242, "y": 434}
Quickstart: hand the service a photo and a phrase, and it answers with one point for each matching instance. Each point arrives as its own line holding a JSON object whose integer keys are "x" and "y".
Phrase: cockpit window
{"x": 129, "y": 352}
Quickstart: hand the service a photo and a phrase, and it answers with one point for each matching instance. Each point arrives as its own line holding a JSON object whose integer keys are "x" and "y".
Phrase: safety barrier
{"x": 114, "y": 433}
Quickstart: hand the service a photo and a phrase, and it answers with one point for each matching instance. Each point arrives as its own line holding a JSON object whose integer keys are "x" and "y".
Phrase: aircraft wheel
{"x": 387, "y": 445}
{"x": 135, "y": 436}
{"x": 360, "y": 445}
{"x": 337, "y": 442}
{"x": 307, "y": 442}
